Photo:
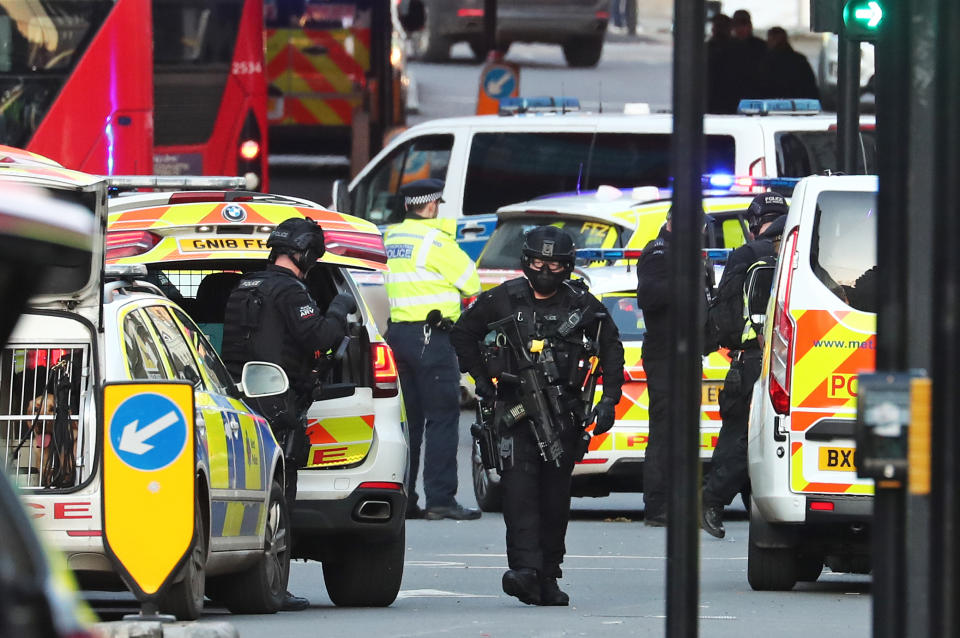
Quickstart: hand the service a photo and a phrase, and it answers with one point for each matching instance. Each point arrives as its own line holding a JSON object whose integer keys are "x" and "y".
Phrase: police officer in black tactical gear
{"x": 535, "y": 335}
{"x": 729, "y": 473}
{"x": 271, "y": 316}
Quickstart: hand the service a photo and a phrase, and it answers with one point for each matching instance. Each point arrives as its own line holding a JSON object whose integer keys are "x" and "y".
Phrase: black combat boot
{"x": 712, "y": 521}
{"x": 522, "y": 584}
{"x": 551, "y": 595}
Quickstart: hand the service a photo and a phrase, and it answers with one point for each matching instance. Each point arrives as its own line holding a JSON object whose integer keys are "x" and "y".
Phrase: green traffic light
{"x": 862, "y": 18}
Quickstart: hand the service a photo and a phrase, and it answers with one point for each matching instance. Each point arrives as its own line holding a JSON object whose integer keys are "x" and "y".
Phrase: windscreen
{"x": 803, "y": 153}
{"x": 41, "y": 42}
{"x": 506, "y": 244}
{"x": 843, "y": 252}
{"x": 193, "y": 43}
{"x": 626, "y": 313}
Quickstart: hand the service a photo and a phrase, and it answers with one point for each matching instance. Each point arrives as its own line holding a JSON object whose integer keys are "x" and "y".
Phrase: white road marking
{"x": 438, "y": 593}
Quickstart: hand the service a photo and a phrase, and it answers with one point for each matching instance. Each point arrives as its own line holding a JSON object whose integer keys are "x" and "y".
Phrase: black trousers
{"x": 536, "y": 503}
{"x": 729, "y": 473}
{"x": 430, "y": 380}
{"x": 656, "y": 461}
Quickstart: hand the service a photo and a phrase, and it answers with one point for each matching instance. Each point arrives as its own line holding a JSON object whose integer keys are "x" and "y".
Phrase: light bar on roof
{"x": 607, "y": 254}
{"x": 722, "y": 181}
{"x": 175, "y": 182}
{"x": 779, "y": 107}
{"x": 518, "y": 105}
{"x": 717, "y": 254}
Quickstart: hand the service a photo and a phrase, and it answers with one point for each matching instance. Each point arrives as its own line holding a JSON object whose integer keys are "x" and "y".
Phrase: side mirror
{"x": 341, "y": 196}
{"x": 262, "y": 379}
{"x": 758, "y": 286}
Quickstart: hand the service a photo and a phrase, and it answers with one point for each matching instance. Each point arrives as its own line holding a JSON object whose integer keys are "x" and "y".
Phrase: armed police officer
{"x": 730, "y": 325}
{"x": 271, "y": 316}
{"x": 542, "y": 337}
{"x": 427, "y": 278}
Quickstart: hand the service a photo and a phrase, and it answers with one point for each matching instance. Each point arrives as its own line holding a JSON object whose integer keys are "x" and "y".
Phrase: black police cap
{"x": 422, "y": 191}
{"x": 549, "y": 242}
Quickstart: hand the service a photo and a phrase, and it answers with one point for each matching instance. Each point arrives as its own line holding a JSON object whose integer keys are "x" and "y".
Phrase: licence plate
{"x": 837, "y": 459}
{"x": 710, "y": 393}
{"x": 213, "y": 244}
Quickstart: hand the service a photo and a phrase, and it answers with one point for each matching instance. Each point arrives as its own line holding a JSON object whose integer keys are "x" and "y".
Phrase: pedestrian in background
{"x": 787, "y": 73}
{"x": 748, "y": 58}
{"x": 721, "y": 70}
{"x": 428, "y": 276}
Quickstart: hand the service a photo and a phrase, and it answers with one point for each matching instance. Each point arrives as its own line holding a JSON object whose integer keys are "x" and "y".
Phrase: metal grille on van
{"x": 43, "y": 392}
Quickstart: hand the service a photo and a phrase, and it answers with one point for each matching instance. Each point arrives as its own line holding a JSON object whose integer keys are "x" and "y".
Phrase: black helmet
{"x": 299, "y": 237}
{"x": 766, "y": 207}
{"x": 548, "y": 243}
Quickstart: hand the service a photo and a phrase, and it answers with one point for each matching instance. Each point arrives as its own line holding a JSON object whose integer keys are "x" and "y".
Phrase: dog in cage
{"x": 39, "y": 435}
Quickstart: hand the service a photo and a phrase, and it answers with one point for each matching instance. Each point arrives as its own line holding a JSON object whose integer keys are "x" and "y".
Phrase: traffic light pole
{"x": 490, "y": 24}
{"x": 687, "y": 276}
{"x": 848, "y": 103}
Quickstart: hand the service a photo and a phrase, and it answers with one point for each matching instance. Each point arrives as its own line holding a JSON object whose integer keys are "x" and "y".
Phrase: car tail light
{"x": 469, "y": 13}
{"x": 821, "y": 506}
{"x": 250, "y": 150}
{"x": 128, "y": 243}
{"x": 368, "y": 246}
{"x": 784, "y": 331}
{"x": 380, "y": 485}
{"x": 384, "y": 371}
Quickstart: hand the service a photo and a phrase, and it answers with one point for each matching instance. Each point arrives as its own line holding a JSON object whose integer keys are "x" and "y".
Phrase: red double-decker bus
{"x": 136, "y": 86}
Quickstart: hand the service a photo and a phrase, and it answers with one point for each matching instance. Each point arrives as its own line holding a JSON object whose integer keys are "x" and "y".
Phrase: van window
{"x": 506, "y": 243}
{"x": 377, "y": 196}
{"x": 184, "y": 367}
{"x": 626, "y": 161}
{"x": 802, "y": 153}
{"x": 843, "y": 251}
{"x": 143, "y": 357}
{"x": 508, "y": 167}
{"x": 627, "y": 315}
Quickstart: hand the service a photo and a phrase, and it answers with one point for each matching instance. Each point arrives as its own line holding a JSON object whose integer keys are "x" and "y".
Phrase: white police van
{"x": 546, "y": 145}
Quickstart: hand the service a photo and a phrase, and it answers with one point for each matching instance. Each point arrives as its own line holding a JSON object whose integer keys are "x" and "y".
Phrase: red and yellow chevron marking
{"x": 319, "y": 72}
{"x": 338, "y": 441}
{"x": 636, "y": 439}
{"x": 831, "y": 349}
{"x": 46, "y": 172}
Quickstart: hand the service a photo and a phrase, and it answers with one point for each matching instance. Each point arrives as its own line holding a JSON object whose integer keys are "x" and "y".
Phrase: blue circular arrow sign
{"x": 499, "y": 82}
{"x": 148, "y": 432}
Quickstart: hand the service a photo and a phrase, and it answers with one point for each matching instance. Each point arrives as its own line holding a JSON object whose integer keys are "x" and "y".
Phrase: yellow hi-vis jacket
{"x": 427, "y": 269}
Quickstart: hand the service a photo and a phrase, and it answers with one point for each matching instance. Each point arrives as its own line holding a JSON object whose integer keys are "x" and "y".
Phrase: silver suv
{"x": 576, "y": 25}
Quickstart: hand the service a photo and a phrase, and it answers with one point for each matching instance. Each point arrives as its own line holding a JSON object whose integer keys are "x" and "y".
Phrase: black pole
{"x": 490, "y": 24}
{"x": 944, "y": 575}
{"x": 683, "y": 534}
{"x": 848, "y": 104}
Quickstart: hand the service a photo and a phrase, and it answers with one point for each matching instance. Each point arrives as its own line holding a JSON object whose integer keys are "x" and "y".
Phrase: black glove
{"x": 341, "y": 306}
{"x": 484, "y": 387}
{"x": 605, "y": 413}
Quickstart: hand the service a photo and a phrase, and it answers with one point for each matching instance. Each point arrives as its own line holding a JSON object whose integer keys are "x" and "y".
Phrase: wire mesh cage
{"x": 43, "y": 392}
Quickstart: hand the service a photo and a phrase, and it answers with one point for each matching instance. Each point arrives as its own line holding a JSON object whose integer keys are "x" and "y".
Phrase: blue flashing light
{"x": 607, "y": 254}
{"x": 779, "y": 107}
{"x": 720, "y": 181}
{"x": 517, "y": 105}
{"x": 717, "y": 254}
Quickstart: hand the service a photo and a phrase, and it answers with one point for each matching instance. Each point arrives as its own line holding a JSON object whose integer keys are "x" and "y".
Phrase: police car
{"x": 538, "y": 146}
{"x": 614, "y": 461}
{"x": 351, "y": 499}
{"x": 809, "y": 507}
{"x": 80, "y": 332}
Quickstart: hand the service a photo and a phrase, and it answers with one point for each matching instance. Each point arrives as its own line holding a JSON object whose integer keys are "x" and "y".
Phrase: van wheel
{"x": 771, "y": 569}
{"x": 809, "y": 568}
{"x": 486, "y": 489}
{"x": 262, "y": 588}
{"x": 184, "y": 599}
{"x": 366, "y": 574}
{"x": 583, "y": 52}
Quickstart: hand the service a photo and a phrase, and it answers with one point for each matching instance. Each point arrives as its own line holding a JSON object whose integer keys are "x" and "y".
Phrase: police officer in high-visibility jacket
{"x": 428, "y": 275}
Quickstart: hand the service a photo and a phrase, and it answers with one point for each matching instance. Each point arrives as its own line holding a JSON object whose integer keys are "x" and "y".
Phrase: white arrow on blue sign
{"x": 148, "y": 432}
{"x": 499, "y": 82}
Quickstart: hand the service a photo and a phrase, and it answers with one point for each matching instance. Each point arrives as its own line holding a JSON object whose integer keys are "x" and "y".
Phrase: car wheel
{"x": 486, "y": 488}
{"x": 771, "y": 569}
{"x": 366, "y": 574}
{"x": 184, "y": 599}
{"x": 809, "y": 568}
{"x": 583, "y": 52}
{"x": 262, "y": 588}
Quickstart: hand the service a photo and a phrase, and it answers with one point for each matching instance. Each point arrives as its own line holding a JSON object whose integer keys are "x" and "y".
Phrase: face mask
{"x": 544, "y": 281}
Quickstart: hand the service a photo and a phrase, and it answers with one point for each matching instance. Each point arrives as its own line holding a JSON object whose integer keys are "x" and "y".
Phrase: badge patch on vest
{"x": 307, "y": 311}
{"x": 399, "y": 251}
{"x": 250, "y": 283}
{"x": 547, "y": 249}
